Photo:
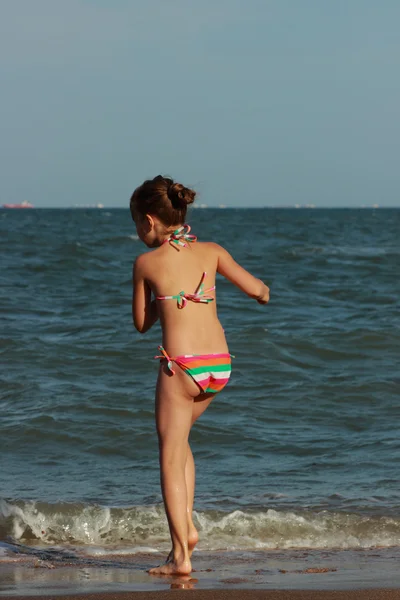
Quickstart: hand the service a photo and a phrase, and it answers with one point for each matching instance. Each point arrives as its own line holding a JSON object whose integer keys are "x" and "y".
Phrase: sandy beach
{"x": 293, "y": 574}
{"x": 376, "y": 594}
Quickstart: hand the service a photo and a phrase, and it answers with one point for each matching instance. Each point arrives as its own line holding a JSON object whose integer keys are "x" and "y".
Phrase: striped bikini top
{"x": 181, "y": 237}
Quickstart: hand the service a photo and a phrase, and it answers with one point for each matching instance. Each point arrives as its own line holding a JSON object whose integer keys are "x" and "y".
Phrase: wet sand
{"x": 292, "y": 575}
{"x": 376, "y": 594}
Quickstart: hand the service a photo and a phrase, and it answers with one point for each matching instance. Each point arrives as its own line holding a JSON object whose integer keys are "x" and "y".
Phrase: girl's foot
{"x": 193, "y": 538}
{"x": 173, "y": 567}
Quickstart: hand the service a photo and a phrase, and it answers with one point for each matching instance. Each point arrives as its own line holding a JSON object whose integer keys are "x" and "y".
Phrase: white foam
{"x": 93, "y": 551}
{"x": 129, "y": 530}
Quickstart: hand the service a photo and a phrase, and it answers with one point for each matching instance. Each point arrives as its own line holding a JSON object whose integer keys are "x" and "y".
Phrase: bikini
{"x": 211, "y": 372}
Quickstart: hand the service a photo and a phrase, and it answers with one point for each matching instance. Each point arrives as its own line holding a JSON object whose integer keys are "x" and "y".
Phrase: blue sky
{"x": 254, "y": 103}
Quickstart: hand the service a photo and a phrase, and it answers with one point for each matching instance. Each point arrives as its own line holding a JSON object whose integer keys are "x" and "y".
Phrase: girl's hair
{"x": 163, "y": 198}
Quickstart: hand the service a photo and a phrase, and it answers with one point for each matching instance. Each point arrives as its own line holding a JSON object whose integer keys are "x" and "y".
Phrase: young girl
{"x": 195, "y": 362}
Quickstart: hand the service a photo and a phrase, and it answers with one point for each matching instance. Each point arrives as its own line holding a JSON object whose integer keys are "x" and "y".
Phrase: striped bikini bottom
{"x": 211, "y": 372}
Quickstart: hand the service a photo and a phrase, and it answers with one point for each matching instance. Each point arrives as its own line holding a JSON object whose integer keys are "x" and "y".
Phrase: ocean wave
{"x": 142, "y": 528}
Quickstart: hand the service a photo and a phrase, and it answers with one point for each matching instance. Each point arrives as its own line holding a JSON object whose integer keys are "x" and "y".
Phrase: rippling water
{"x": 301, "y": 449}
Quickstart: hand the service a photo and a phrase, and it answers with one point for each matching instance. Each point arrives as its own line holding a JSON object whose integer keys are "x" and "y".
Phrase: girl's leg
{"x": 174, "y": 409}
{"x": 200, "y": 404}
{"x": 193, "y": 536}
{"x": 190, "y": 476}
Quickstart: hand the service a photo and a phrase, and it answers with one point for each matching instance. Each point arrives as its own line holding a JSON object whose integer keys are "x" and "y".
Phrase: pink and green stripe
{"x": 211, "y": 372}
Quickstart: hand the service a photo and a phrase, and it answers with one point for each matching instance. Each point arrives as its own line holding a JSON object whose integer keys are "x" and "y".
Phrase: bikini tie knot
{"x": 181, "y": 299}
{"x": 181, "y": 236}
{"x": 200, "y": 295}
{"x": 164, "y": 355}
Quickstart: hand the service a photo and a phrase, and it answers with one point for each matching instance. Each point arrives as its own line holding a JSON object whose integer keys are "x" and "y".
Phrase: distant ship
{"x": 24, "y": 204}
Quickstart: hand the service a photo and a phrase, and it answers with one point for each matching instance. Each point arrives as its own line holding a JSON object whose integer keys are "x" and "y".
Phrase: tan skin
{"x": 193, "y": 330}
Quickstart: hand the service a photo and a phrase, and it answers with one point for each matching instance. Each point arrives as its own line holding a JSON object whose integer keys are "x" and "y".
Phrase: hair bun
{"x": 180, "y": 196}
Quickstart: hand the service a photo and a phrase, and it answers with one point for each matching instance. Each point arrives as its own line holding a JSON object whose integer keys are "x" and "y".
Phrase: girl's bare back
{"x": 169, "y": 271}
{"x": 188, "y": 327}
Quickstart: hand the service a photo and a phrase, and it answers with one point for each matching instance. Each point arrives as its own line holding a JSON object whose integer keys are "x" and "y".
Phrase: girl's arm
{"x": 245, "y": 281}
{"x": 144, "y": 310}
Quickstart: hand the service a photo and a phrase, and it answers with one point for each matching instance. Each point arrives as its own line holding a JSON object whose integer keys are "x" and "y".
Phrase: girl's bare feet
{"x": 193, "y": 538}
{"x": 173, "y": 567}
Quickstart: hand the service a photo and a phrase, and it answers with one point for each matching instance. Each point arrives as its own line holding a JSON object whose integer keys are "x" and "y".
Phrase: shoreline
{"x": 361, "y": 594}
{"x": 292, "y": 574}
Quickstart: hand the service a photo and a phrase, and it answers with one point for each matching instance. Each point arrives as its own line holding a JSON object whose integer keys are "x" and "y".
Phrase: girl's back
{"x": 189, "y": 327}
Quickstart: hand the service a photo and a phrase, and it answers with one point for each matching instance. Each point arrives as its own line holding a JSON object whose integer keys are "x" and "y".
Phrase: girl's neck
{"x": 166, "y": 235}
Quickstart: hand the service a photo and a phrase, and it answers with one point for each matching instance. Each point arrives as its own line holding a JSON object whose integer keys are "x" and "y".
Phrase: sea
{"x": 298, "y": 457}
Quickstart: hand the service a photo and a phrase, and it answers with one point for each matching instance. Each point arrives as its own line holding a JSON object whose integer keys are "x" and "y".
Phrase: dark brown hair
{"x": 163, "y": 198}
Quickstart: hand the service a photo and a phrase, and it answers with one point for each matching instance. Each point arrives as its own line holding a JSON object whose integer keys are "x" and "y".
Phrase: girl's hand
{"x": 263, "y": 298}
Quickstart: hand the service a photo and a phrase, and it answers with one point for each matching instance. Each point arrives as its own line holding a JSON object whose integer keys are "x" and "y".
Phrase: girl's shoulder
{"x": 142, "y": 261}
{"x": 211, "y": 247}
{"x": 146, "y": 259}
{"x": 216, "y": 250}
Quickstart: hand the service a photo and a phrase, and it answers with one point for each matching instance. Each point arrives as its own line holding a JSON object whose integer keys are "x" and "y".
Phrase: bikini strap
{"x": 165, "y": 355}
{"x": 180, "y": 236}
{"x": 200, "y": 295}
{"x": 200, "y": 291}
